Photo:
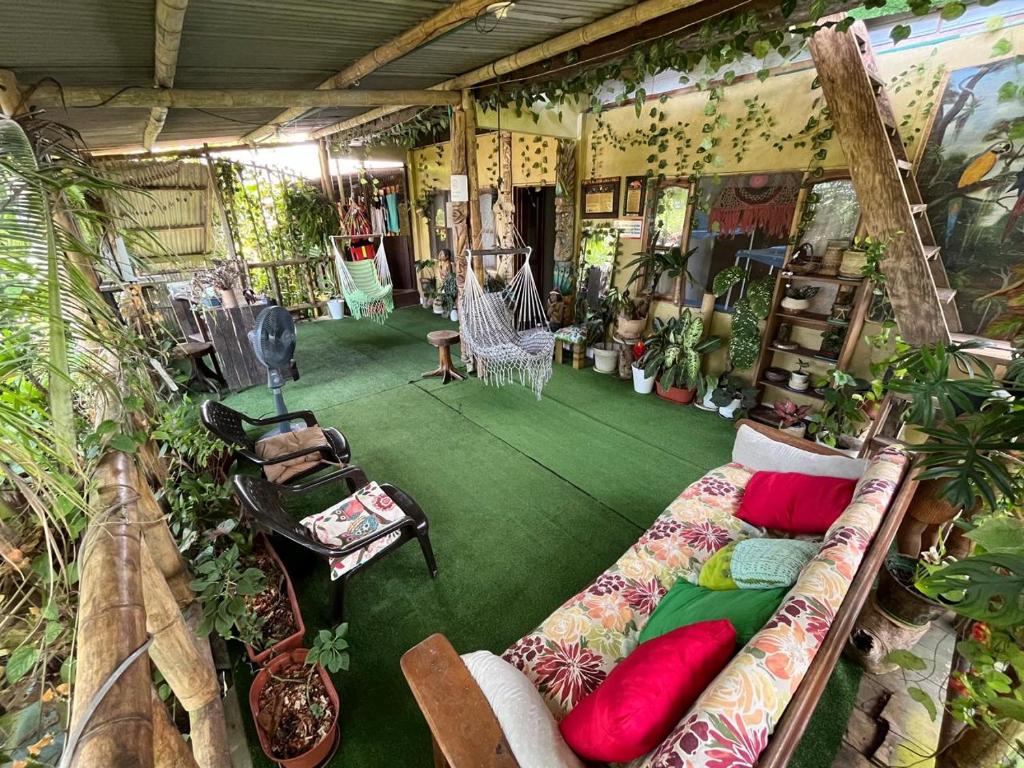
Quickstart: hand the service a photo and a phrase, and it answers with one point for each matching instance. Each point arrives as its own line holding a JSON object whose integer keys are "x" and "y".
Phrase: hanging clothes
{"x": 377, "y": 216}
{"x": 394, "y": 223}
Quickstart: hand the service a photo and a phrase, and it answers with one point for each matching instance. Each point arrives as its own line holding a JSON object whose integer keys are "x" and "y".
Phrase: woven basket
{"x": 833, "y": 258}
{"x": 928, "y": 505}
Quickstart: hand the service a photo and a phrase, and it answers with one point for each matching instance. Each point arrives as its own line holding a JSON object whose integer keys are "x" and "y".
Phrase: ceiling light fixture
{"x": 501, "y": 9}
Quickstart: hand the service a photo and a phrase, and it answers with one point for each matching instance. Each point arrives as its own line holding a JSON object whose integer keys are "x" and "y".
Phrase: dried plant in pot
{"x": 276, "y": 607}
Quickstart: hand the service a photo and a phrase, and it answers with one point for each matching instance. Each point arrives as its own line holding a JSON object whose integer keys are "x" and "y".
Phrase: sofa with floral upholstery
{"x": 731, "y": 723}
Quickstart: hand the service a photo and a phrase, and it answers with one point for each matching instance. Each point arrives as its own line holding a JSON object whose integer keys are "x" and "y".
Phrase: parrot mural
{"x": 952, "y": 214}
{"x": 1018, "y": 206}
{"x": 981, "y": 165}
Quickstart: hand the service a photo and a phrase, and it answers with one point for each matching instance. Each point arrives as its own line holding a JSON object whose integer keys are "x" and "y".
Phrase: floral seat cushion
{"x": 577, "y": 646}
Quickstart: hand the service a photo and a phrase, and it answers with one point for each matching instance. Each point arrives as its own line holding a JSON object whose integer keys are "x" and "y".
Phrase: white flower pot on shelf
{"x": 799, "y": 381}
{"x": 729, "y": 411}
{"x": 606, "y": 358}
{"x": 336, "y": 308}
{"x": 795, "y": 306}
{"x": 642, "y": 385}
{"x": 796, "y": 430}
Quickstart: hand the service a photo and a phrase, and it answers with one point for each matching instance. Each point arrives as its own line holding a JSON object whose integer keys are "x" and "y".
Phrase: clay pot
{"x": 322, "y": 750}
{"x": 674, "y": 394}
{"x": 293, "y": 640}
{"x": 228, "y": 299}
{"x": 628, "y": 330}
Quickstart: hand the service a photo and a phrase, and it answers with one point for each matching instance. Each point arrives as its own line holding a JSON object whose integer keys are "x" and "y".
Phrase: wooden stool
{"x": 444, "y": 340}
{"x": 201, "y": 375}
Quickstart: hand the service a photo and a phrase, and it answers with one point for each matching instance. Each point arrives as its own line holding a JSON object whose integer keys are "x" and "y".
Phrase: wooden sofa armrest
{"x": 465, "y": 731}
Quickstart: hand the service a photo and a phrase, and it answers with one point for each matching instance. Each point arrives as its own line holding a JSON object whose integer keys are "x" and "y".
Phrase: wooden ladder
{"x": 883, "y": 177}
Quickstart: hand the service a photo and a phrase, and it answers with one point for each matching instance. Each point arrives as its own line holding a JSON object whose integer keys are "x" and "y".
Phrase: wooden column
{"x": 565, "y": 199}
{"x": 191, "y": 676}
{"x": 111, "y": 626}
{"x": 506, "y": 265}
{"x": 326, "y": 180}
{"x": 169, "y": 748}
{"x": 885, "y": 208}
{"x": 460, "y": 220}
{"x": 475, "y": 223}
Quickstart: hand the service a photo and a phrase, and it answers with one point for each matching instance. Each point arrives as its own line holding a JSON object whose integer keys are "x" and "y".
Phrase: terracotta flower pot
{"x": 292, "y": 641}
{"x": 323, "y": 748}
{"x": 674, "y": 394}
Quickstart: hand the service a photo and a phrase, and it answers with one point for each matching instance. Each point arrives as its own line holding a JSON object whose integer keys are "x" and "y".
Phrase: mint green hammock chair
{"x": 365, "y": 284}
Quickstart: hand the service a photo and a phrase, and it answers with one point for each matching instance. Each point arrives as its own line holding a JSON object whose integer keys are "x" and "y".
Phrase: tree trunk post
{"x": 475, "y": 223}
{"x": 169, "y": 748}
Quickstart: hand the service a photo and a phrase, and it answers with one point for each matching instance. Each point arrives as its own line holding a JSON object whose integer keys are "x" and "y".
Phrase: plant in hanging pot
{"x": 798, "y": 298}
{"x": 791, "y": 416}
{"x": 295, "y": 704}
{"x": 642, "y": 383}
{"x": 674, "y": 352}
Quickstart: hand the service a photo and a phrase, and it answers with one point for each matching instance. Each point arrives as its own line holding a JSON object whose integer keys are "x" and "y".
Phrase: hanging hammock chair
{"x": 366, "y": 283}
{"x": 507, "y": 332}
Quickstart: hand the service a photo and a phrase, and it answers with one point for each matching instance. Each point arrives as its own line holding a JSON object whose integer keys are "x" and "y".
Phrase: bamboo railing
{"x": 135, "y": 600}
{"x": 293, "y": 282}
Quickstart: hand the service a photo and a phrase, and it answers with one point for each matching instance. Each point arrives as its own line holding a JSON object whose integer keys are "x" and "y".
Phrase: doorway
{"x": 535, "y": 220}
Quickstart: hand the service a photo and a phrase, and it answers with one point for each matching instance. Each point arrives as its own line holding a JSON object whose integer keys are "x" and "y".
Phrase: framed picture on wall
{"x": 634, "y": 195}
{"x": 601, "y": 198}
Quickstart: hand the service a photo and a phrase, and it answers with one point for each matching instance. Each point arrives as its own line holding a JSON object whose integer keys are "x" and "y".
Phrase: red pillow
{"x": 795, "y": 503}
{"x": 648, "y": 693}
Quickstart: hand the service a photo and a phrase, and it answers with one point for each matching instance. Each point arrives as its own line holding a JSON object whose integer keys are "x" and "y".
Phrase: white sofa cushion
{"x": 762, "y": 454}
{"x": 528, "y": 724}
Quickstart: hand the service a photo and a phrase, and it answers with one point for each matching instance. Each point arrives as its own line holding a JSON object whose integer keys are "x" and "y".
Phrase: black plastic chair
{"x": 268, "y": 505}
{"x": 229, "y": 425}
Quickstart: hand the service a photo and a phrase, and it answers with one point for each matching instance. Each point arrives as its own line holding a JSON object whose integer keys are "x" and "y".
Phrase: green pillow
{"x": 716, "y": 573}
{"x": 686, "y": 603}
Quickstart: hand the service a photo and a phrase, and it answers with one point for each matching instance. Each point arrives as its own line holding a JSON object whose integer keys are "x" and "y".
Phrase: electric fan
{"x": 273, "y": 342}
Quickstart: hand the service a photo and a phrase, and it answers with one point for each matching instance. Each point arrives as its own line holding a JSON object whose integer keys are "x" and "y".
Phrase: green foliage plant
{"x": 675, "y": 349}
{"x": 750, "y": 310}
{"x": 330, "y": 649}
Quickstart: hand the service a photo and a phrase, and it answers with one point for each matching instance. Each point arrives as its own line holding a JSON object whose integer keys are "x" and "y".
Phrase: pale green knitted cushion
{"x": 770, "y": 563}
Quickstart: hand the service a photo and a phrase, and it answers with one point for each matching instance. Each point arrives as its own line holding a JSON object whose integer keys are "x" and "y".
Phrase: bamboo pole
{"x": 427, "y": 30}
{"x": 161, "y": 545}
{"x": 111, "y": 626}
{"x": 326, "y": 181}
{"x": 460, "y": 222}
{"x": 169, "y": 748}
{"x": 609, "y": 25}
{"x": 228, "y": 98}
{"x": 469, "y": 137}
{"x": 191, "y": 676}
{"x": 170, "y": 18}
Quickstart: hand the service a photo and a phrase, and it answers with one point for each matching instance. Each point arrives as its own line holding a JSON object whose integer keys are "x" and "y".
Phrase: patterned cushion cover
{"x": 728, "y": 726}
{"x": 770, "y": 563}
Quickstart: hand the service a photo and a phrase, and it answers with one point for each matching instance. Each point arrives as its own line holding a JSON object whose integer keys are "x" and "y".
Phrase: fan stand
{"x": 275, "y": 382}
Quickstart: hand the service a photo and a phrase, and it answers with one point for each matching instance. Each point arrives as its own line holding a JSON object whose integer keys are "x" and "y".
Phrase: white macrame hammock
{"x": 366, "y": 284}
{"x": 506, "y": 332}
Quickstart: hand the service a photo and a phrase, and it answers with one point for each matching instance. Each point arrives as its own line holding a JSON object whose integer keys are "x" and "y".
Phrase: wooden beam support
{"x": 429, "y": 29}
{"x": 185, "y": 98}
{"x": 609, "y": 25}
{"x": 326, "y": 179}
{"x": 475, "y": 222}
{"x": 461, "y": 238}
{"x": 884, "y": 206}
{"x": 170, "y": 18}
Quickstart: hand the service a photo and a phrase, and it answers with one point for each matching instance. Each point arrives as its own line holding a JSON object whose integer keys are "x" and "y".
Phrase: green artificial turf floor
{"x": 528, "y": 501}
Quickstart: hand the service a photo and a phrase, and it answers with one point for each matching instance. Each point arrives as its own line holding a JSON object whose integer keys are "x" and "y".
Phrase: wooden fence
{"x": 135, "y": 601}
{"x": 295, "y": 283}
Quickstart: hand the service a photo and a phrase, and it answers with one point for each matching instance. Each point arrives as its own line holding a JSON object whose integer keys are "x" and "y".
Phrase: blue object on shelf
{"x": 774, "y": 257}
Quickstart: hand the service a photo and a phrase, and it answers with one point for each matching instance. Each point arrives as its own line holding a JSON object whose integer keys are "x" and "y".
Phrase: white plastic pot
{"x": 795, "y": 306}
{"x": 337, "y": 308}
{"x": 706, "y": 403}
{"x": 729, "y": 411}
{"x": 606, "y": 358}
{"x": 454, "y": 315}
{"x": 642, "y": 385}
{"x": 438, "y": 308}
{"x": 796, "y": 430}
{"x": 799, "y": 381}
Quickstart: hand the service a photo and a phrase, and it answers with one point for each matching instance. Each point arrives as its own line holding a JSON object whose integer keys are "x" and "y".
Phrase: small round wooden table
{"x": 444, "y": 340}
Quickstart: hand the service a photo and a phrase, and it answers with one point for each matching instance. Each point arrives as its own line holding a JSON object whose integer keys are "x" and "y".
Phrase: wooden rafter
{"x": 609, "y": 25}
{"x": 170, "y": 17}
{"x": 208, "y": 98}
{"x": 429, "y": 29}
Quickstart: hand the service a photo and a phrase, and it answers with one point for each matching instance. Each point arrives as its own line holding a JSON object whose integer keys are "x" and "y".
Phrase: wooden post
{"x": 565, "y": 199}
{"x": 885, "y": 209}
{"x": 111, "y": 626}
{"x": 475, "y": 223}
{"x": 192, "y": 678}
{"x": 460, "y": 221}
{"x": 169, "y": 748}
{"x": 326, "y": 181}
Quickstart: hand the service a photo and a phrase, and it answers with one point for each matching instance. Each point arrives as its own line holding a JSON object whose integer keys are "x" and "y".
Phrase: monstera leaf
{"x": 987, "y": 588}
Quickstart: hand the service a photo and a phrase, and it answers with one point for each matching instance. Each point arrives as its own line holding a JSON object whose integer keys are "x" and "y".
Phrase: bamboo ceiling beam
{"x": 170, "y": 17}
{"x": 184, "y": 98}
{"x": 609, "y": 25}
{"x": 440, "y": 23}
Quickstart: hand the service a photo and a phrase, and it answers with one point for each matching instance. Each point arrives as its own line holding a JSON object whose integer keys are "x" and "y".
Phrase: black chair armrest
{"x": 350, "y": 472}
{"x": 306, "y": 416}
{"x": 364, "y": 541}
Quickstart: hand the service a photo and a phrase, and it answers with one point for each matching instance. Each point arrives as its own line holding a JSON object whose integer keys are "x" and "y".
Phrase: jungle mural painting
{"x": 972, "y": 177}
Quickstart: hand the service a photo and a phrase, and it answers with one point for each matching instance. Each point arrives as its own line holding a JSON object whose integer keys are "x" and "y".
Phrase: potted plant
{"x": 336, "y": 307}
{"x": 791, "y": 416}
{"x": 651, "y": 265}
{"x": 428, "y": 281}
{"x": 249, "y": 598}
{"x": 800, "y": 379}
{"x": 632, "y": 316}
{"x": 222, "y": 277}
{"x": 447, "y": 296}
{"x": 295, "y": 705}
{"x": 841, "y": 416}
{"x": 674, "y": 353}
{"x": 798, "y": 298}
{"x": 642, "y": 383}
{"x": 832, "y": 341}
{"x": 750, "y": 310}
{"x": 706, "y": 392}
{"x": 605, "y": 354}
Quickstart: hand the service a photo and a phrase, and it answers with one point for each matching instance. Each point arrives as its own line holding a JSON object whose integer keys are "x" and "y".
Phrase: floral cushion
{"x": 728, "y": 726}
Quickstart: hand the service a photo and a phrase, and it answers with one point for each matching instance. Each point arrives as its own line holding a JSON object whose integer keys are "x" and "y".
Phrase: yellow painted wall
{"x": 790, "y": 101}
